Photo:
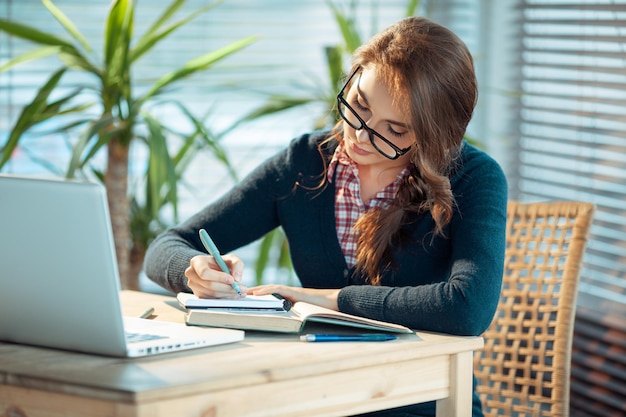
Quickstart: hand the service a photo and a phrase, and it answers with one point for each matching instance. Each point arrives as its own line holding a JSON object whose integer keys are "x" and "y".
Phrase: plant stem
{"x": 116, "y": 181}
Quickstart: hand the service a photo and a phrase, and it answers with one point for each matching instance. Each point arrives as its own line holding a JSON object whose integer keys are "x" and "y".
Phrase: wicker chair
{"x": 524, "y": 368}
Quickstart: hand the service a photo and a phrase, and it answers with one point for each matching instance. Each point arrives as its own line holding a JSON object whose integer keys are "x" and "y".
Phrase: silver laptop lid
{"x": 59, "y": 284}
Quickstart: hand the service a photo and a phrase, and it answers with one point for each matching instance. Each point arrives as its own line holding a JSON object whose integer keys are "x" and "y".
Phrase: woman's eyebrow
{"x": 364, "y": 97}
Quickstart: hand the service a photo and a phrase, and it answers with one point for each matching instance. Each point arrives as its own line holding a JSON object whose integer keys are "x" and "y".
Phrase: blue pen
{"x": 212, "y": 249}
{"x": 347, "y": 337}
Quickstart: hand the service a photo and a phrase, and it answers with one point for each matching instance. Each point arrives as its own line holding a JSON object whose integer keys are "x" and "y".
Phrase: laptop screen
{"x": 58, "y": 270}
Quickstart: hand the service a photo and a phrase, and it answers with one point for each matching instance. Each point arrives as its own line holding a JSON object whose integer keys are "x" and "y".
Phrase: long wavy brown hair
{"x": 430, "y": 73}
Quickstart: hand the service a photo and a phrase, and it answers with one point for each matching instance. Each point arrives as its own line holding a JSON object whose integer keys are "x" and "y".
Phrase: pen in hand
{"x": 212, "y": 249}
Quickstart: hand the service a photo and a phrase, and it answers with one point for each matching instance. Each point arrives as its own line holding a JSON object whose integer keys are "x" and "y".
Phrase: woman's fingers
{"x": 206, "y": 280}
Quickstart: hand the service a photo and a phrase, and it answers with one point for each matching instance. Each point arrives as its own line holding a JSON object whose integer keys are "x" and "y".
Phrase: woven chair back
{"x": 524, "y": 368}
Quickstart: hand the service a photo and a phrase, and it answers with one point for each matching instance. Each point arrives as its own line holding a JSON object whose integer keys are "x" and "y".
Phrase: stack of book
{"x": 271, "y": 313}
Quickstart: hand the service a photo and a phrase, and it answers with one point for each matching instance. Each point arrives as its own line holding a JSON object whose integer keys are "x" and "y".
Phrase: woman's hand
{"x": 323, "y": 298}
{"x": 207, "y": 280}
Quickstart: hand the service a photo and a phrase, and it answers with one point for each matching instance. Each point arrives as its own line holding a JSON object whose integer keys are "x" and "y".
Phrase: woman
{"x": 391, "y": 216}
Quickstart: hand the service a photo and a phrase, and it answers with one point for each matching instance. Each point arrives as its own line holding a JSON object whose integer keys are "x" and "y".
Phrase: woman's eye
{"x": 394, "y": 132}
{"x": 359, "y": 106}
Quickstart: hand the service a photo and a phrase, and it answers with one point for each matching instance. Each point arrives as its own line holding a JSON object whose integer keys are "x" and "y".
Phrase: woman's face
{"x": 371, "y": 100}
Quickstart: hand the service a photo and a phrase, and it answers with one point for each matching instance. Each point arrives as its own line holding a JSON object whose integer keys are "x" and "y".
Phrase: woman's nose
{"x": 362, "y": 135}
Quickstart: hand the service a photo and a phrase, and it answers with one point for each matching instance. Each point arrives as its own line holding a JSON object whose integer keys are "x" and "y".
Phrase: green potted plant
{"x": 120, "y": 115}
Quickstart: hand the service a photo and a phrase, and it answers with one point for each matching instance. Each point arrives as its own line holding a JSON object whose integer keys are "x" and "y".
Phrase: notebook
{"x": 59, "y": 282}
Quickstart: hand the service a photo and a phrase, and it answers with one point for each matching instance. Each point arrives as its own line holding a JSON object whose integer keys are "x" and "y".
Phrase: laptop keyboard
{"x": 142, "y": 337}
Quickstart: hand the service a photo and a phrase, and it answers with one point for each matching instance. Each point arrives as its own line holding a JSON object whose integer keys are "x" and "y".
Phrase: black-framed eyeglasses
{"x": 384, "y": 146}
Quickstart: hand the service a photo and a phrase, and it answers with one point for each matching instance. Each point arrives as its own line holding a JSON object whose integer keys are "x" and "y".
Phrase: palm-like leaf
{"x": 31, "y": 114}
{"x": 207, "y": 139}
{"x": 275, "y": 104}
{"x": 32, "y": 34}
{"x": 346, "y": 22}
{"x": 411, "y": 7}
{"x": 67, "y": 24}
{"x": 35, "y": 54}
{"x": 161, "y": 168}
{"x": 200, "y": 63}
{"x": 95, "y": 129}
{"x": 155, "y": 33}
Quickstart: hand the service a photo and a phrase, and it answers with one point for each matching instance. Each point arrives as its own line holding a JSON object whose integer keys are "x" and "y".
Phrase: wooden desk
{"x": 265, "y": 375}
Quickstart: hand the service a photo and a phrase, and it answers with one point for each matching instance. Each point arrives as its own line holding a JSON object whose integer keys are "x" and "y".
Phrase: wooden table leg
{"x": 459, "y": 403}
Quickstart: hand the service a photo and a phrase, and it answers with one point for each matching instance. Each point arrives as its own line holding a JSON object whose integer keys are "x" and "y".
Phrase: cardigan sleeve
{"x": 241, "y": 216}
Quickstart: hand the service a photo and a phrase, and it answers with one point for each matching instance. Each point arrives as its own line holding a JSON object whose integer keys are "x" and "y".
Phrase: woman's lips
{"x": 359, "y": 151}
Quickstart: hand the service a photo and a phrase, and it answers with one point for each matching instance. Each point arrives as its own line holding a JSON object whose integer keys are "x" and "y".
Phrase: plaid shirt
{"x": 348, "y": 204}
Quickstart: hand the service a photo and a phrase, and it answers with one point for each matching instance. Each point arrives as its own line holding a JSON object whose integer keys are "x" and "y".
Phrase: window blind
{"x": 571, "y": 142}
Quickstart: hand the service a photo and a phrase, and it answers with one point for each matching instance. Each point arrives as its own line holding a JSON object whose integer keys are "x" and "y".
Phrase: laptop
{"x": 59, "y": 282}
